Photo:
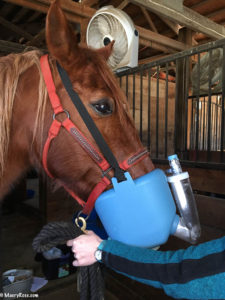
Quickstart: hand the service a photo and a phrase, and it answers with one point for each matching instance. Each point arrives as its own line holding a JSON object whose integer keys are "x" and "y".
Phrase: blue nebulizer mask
{"x": 142, "y": 212}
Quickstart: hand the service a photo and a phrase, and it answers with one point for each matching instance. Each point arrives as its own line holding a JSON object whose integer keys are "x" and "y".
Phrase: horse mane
{"x": 11, "y": 68}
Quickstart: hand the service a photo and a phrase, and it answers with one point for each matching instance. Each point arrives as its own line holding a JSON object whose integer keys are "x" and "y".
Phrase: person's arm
{"x": 195, "y": 273}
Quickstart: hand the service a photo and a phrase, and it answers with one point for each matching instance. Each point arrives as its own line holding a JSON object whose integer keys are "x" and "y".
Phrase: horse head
{"x": 102, "y": 97}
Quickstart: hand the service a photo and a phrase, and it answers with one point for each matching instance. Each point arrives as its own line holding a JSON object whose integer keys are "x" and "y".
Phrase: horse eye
{"x": 103, "y": 107}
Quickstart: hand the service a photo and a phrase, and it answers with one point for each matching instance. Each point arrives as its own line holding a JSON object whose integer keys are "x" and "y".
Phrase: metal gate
{"x": 178, "y": 104}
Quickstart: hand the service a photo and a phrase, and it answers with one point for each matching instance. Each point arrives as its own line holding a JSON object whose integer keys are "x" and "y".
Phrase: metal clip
{"x": 81, "y": 222}
{"x": 83, "y": 226}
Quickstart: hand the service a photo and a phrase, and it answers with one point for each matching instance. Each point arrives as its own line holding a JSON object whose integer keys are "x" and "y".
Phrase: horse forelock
{"x": 11, "y": 68}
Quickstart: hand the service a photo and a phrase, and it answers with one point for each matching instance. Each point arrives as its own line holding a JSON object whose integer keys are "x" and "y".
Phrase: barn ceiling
{"x": 165, "y": 26}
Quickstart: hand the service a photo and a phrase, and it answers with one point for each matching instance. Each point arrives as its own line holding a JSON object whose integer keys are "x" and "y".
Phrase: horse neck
{"x": 20, "y": 157}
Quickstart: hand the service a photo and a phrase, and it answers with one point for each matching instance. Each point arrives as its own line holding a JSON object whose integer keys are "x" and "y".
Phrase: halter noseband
{"x": 98, "y": 158}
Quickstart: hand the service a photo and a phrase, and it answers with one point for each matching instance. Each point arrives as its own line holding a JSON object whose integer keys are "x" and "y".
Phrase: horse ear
{"x": 107, "y": 50}
{"x": 60, "y": 38}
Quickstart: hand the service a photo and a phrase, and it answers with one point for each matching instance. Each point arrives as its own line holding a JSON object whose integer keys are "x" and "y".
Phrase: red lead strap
{"x": 81, "y": 139}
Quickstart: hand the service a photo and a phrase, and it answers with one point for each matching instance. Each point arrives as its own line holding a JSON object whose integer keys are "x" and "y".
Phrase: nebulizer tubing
{"x": 188, "y": 227}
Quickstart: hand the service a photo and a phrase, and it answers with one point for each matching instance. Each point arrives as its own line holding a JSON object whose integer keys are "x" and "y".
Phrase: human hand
{"x": 84, "y": 247}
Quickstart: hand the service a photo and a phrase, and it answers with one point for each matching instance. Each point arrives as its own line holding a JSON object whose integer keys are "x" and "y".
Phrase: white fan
{"x": 109, "y": 24}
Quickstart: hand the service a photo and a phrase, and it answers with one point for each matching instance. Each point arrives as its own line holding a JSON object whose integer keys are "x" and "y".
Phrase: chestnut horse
{"x": 26, "y": 112}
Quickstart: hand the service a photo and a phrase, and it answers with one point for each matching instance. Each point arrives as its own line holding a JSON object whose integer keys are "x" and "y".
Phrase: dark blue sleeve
{"x": 197, "y": 272}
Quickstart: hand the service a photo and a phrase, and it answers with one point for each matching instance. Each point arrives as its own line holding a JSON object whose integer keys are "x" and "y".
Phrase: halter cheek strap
{"x": 81, "y": 139}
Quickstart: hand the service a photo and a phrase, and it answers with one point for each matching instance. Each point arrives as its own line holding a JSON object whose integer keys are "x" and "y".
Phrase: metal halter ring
{"x": 64, "y": 111}
{"x": 83, "y": 220}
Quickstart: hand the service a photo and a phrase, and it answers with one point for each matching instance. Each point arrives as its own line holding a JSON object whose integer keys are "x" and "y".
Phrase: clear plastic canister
{"x": 184, "y": 197}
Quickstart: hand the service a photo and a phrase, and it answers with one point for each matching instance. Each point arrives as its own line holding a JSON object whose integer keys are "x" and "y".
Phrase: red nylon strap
{"x": 96, "y": 192}
{"x": 52, "y": 133}
{"x": 47, "y": 74}
{"x": 85, "y": 144}
{"x": 71, "y": 128}
{"x": 134, "y": 159}
{"x": 77, "y": 198}
{"x": 105, "y": 182}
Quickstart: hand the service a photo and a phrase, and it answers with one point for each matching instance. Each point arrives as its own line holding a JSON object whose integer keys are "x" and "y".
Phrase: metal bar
{"x": 157, "y": 113}
{"x": 216, "y": 123}
{"x": 141, "y": 104}
{"x": 212, "y": 126}
{"x": 166, "y": 114}
{"x": 176, "y": 108}
{"x": 223, "y": 108}
{"x": 192, "y": 125}
{"x": 204, "y": 127}
{"x": 126, "y": 85}
{"x": 197, "y": 107}
{"x": 149, "y": 110}
{"x": 209, "y": 107}
{"x": 219, "y": 124}
{"x": 133, "y": 96}
{"x": 120, "y": 79}
{"x": 186, "y": 103}
{"x": 200, "y": 125}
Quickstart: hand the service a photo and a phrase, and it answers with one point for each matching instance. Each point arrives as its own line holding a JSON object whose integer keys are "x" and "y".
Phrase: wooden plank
{"x": 207, "y": 180}
{"x": 204, "y": 180}
{"x": 200, "y": 4}
{"x": 211, "y": 211}
{"x": 123, "y": 4}
{"x": 89, "y": 2}
{"x": 83, "y": 31}
{"x": 160, "y": 39}
{"x": 216, "y": 14}
{"x": 149, "y": 19}
{"x": 150, "y": 59}
{"x": 174, "y": 27}
{"x": 10, "y": 47}
{"x": 74, "y": 14}
{"x": 156, "y": 46}
{"x": 37, "y": 39}
{"x": 15, "y": 29}
{"x": 184, "y": 16}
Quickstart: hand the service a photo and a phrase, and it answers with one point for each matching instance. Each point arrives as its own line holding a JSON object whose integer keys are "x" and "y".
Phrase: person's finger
{"x": 75, "y": 263}
{"x": 90, "y": 232}
{"x": 69, "y": 243}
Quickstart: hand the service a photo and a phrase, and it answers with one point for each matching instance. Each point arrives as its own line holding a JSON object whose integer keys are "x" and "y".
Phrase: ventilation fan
{"x": 109, "y": 24}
